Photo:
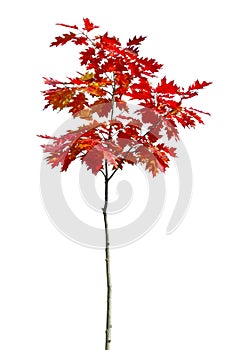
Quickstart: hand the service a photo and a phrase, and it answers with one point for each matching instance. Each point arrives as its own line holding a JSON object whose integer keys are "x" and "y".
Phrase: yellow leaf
{"x": 88, "y": 76}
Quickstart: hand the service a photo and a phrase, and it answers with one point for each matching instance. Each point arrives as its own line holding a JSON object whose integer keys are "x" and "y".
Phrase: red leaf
{"x": 121, "y": 104}
{"x": 62, "y": 40}
{"x": 65, "y": 149}
{"x": 136, "y": 41}
{"x": 80, "y": 40}
{"x": 110, "y": 43}
{"x": 161, "y": 158}
{"x": 129, "y": 158}
{"x": 87, "y": 55}
{"x": 192, "y": 115}
{"x": 153, "y": 134}
{"x": 58, "y": 98}
{"x": 171, "y": 129}
{"x": 77, "y": 104}
{"x": 148, "y": 115}
{"x": 146, "y": 157}
{"x": 88, "y": 25}
{"x": 123, "y": 139}
{"x": 94, "y": 160}
{"x": 197, "y": 85}
{"x": 102, "y": 107}
{"x": 149, "y": 66}
{"x": 170, "y": 150}
{"x": 165, "y": 87}
{"x": 108, "y": 155}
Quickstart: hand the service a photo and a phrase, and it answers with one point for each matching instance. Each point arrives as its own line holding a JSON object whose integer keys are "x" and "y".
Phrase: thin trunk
{"x": 107, "y": 260}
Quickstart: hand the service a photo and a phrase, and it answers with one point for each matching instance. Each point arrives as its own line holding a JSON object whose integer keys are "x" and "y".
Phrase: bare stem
{"x": 107, "y": 260}
{"x": 107, "y": 242}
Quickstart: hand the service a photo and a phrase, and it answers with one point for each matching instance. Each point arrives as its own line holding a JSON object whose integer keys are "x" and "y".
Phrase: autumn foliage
{"x": 114, "y": 76}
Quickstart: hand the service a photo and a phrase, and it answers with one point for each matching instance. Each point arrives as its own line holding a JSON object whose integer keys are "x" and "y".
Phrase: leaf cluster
{"x": 115, "y": 75}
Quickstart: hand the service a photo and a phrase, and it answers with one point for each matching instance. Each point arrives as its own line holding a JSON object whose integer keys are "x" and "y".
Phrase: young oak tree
{"x": 110, "y": 136}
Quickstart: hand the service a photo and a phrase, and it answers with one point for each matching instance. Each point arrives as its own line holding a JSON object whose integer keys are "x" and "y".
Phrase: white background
{"x": 169, "y": 292}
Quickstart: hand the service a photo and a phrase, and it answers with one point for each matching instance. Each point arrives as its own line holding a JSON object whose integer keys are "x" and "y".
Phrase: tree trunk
{"x": 107, "y": 260}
